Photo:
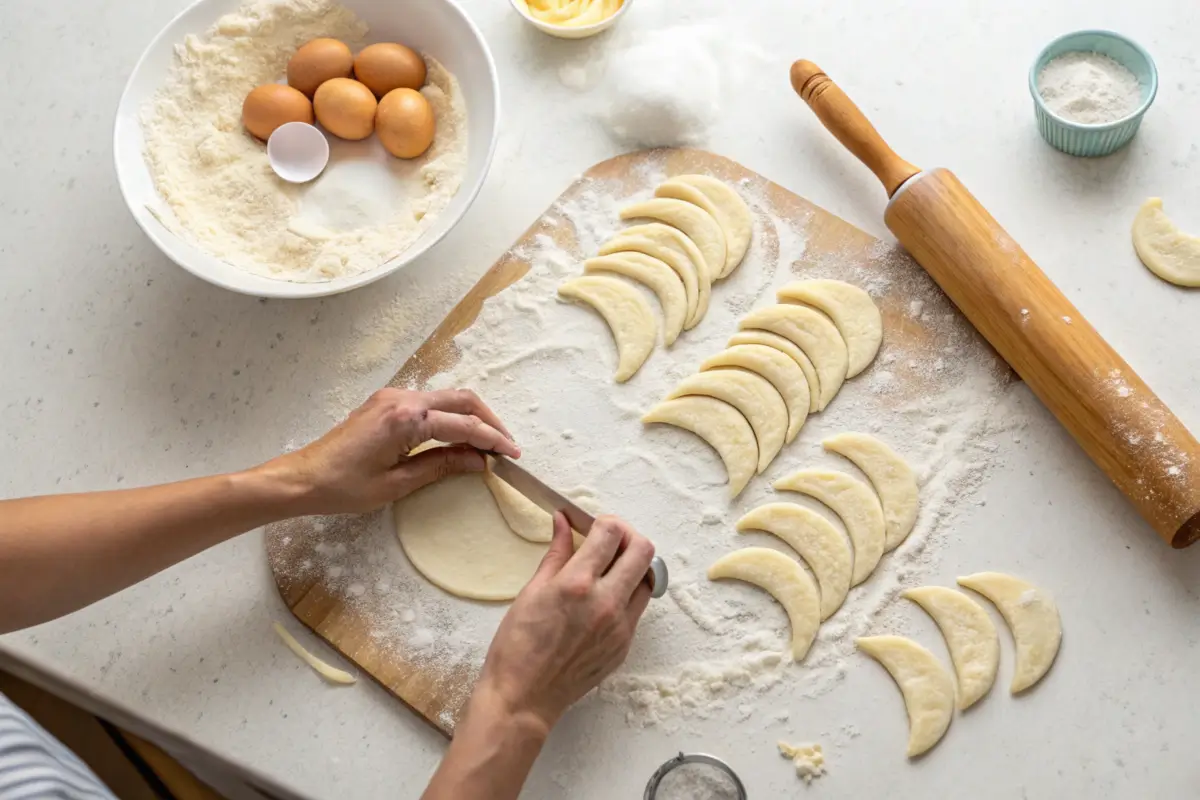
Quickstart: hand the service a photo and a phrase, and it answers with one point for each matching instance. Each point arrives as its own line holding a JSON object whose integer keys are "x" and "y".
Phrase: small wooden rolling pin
{"x": 1115, "y": 417}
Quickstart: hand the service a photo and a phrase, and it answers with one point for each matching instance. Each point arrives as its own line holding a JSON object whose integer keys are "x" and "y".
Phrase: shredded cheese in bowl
{"x": 570, "y": 13}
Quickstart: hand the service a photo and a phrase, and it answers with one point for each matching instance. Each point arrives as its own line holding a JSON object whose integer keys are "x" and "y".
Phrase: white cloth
{"x": 35, "y": 765}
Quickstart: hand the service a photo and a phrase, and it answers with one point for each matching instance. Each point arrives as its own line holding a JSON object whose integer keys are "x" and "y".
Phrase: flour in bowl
{"x": 215, "y": 179}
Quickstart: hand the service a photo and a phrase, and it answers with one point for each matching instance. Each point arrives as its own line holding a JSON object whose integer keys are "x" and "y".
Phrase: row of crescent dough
{"x": 786, "y": 361}
{"x": 876, "y": 521}
{"x": 700, "y": 235}
{"x": 928, "y": 691}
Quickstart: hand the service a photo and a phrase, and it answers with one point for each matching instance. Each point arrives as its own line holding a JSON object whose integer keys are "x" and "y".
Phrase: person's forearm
{"x": 61, "y": 553}
{"x": 491, "y": 755}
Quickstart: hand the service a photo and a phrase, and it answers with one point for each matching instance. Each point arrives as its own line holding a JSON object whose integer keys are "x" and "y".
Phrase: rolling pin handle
{"x": 845, "y": 121}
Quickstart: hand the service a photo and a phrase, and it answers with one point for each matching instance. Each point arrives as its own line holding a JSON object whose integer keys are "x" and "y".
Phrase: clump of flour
{"x": 662, "y": 91}
{"x": 666, "y": 88}
{"x": 219, "y": 191}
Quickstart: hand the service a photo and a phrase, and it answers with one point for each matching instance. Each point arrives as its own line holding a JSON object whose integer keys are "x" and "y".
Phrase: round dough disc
{"x": 456, "y": 537}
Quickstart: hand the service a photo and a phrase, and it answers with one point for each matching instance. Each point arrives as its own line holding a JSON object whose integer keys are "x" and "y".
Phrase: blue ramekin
{"x": 1076, "y": 138}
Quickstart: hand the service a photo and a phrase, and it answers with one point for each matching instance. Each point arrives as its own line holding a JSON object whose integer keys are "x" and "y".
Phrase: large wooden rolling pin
{"x": 1115, "y": 417}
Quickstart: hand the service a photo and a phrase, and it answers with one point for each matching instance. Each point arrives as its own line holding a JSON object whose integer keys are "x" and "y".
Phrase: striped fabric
{"x": 35, "y": 765}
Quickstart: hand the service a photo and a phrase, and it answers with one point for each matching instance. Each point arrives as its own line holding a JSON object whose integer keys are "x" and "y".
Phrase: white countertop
{"x": 120, "y": 369}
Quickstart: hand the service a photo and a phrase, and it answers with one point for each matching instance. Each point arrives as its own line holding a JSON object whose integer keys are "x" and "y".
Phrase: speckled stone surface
{"x": 120, "y": 369}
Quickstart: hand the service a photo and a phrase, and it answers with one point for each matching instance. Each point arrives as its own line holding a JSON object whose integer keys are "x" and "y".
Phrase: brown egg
{"x": 272, "y": 105}
{"x": 387, "y": 65}
{"x": 318, "y": 61}
{"x": 405, "y": 123}
{"x": 346, "y": 108}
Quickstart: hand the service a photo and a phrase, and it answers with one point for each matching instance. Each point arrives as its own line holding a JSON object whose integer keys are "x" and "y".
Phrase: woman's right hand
{"x": 572, "y": 625}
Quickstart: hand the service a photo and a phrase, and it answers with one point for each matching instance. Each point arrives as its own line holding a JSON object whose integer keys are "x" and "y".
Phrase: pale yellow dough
{"x": 970, "y": 637}
{"x": 524, "y": 517}
{"x": 925, "y": 684}
{"x": 627, "y": 313}
{"x": 783, "y": 373}
{"x": 700, "y": 226}
{"x": 891, "y": 476}
{"x": 719, "y": 424}
{"x": 785, "y": 580}
{"x": 792, "y": 351}
{"x": 1032, "y": 616}
{"x": 1166, "y": 251}
{"x": 855, "y": 503}
{"x": 655, "y": 274}
{"x": 676, "y": 251}
{"x": 724, "y": 204}
{"x": 813, "y": 333}
{"x": 329, "y": 673}
{"x": 454, "y": 534}
{"x": 821, "y": 545}
{"x": 751, "y": 394}
{"x": 852, "y": 311}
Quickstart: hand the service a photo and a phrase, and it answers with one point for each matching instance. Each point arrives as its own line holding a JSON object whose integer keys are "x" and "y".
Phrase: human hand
{"x": 572, "y": 625}
{"x": 364, "y": 462}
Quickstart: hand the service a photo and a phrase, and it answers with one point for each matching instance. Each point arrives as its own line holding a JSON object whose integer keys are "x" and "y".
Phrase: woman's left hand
{"x": 364, "y": 463}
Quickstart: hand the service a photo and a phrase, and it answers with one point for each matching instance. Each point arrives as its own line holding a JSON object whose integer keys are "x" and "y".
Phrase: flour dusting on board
{"x": 546, "y": 368}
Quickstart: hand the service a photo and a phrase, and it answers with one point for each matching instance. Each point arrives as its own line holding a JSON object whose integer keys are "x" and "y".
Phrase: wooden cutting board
{"x": 437, "y": 692}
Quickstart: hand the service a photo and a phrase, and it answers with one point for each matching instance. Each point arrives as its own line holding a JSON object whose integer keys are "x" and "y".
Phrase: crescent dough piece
{"x": 1031, "y": 615}
{"x": 656, "y": 274}
{"x": 926, "y": 686}
{"x": 785, "y": 580}
{"x": 730, "y": 211}
{"x": 788, "y": 348}
{"x": 855, "y": 503}
{"x": 749, "y": 393}
{"x": 891, "y": 476}
{"x": 455, "y": 536}
{"x": 820, "y": 544}
{"x": 813, "y": 333}
{"x": 676, "y": 249}
{"x": 665, "y": 245}
{"x": 783, "y": 373}
{"x": 1165, "y": 250}
{"x": 524, "y": 517}
{"x": 698, "y": 224}
{"x": 970, "y": 636}
{"x": 329, "y": 673}
{"x": 627, "y": 313}
{"x": 719, "y": 424}
{"x": 852, "y": 311}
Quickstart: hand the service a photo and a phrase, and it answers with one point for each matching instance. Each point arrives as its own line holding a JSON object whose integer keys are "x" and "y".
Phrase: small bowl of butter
{"x": 571, "y": 19}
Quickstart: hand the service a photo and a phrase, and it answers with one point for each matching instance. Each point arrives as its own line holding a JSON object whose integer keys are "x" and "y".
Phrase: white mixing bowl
{"x": 437, "y": 27}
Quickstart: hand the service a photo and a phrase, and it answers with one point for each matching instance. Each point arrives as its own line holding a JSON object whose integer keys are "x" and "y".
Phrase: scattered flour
{"x": 218, "y": 189}
{"x": 706, "y": 649}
